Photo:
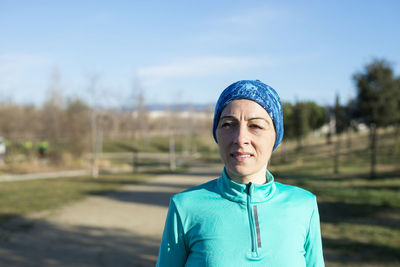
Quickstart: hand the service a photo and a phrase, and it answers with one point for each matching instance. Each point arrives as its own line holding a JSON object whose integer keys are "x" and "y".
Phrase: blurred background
{"x": 123, "y": 89}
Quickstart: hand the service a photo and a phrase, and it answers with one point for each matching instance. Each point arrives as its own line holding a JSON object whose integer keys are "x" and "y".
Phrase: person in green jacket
{"x": 244, "y": 217}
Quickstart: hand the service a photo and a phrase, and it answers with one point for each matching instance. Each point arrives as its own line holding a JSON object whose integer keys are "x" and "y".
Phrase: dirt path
{"x": 119, "y": 229}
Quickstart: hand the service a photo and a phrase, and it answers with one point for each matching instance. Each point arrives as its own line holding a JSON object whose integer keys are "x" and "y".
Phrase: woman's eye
{"x": 256, "y": 126}
{"x": 226, "y": 124}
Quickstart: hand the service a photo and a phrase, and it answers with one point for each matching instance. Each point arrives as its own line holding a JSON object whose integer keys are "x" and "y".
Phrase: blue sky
{"x": 189, "y": 51}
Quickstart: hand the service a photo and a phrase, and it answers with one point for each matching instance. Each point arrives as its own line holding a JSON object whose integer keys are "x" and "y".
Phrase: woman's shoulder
{"x": 197, "y": 193}
{"x": 291, "y": 191}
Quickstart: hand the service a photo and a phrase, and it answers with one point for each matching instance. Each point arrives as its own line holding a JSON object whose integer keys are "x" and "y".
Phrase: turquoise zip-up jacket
{"x": 222, "y": 223}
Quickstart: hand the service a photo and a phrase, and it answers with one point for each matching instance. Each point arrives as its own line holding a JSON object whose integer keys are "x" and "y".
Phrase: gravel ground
{"x": 122, "y": 228}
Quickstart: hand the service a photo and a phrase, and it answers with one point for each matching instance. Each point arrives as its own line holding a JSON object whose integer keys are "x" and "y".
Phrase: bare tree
{"x": 52, "y": 117}
{"x": 94, "y": 126}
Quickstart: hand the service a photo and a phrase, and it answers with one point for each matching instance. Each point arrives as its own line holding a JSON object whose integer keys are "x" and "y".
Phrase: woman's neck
{"x": 255, "y": 178}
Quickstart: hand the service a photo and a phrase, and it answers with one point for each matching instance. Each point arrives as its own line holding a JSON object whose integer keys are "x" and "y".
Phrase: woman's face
{"x": 246, "y": 136}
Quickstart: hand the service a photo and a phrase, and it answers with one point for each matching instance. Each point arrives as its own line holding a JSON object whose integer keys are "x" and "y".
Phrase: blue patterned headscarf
{"x": 259, "y": 92}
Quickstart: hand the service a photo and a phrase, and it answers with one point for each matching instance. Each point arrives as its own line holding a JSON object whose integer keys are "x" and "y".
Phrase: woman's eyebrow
{"x": 258, "y": 118}
{"x": 231, "y": 117}
{"x": 228, "y": 117}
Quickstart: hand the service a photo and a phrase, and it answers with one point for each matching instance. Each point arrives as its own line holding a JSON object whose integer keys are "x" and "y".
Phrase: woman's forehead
{"x": 244, "y": 107}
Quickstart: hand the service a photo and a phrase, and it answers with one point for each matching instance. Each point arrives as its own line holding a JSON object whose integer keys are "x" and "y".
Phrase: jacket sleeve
{"x": 173, "y": 251}
{"x": 313, "y": 246}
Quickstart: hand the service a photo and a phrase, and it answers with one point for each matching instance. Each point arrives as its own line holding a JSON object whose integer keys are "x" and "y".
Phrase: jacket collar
{"x": 254, "y": 193}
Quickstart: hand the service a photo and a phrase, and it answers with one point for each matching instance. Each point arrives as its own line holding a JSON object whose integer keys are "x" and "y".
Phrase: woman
{"x": 244, "y": 218}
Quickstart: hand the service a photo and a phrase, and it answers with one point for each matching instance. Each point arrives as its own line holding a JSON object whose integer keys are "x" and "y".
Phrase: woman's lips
{"x": 241, "y": 156}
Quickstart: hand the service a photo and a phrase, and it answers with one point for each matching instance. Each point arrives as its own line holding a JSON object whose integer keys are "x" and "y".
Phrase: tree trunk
{"x": 134, "y": 153}
{"x": 349, "y": 143}
{"x": 299, "y": 144}
{"x": 329, "y": 138}
{"x": 336, "y": 155}
{"x": 373, "y": 142}
{"x": 172, "y": 159}
{"x": 146, "y": 140}
{"x": 95, "y": 169}
{"x": 395, "y": 146}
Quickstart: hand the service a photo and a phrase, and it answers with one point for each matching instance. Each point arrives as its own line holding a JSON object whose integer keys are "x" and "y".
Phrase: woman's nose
{"x": 242, "y": 135}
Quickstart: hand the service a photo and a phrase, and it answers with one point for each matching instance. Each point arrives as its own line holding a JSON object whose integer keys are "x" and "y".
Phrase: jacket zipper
{"x": 253, "y": 222}
{"x": 257, "y": 226}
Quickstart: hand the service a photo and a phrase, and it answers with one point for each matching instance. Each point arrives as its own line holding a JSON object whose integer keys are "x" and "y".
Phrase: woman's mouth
{"x": 241, "y": 156}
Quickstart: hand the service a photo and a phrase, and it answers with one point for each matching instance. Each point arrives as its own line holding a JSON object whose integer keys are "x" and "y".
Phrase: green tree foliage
{"x": 317, "y": 115}
{"x": 301, "y": 125}
{"x": 288, "y": 120}
{"x": 342, "y": 121}
{"x": 377, "y": 94}
{"x": 302, "y": 118}
{"x": 396, "y": 92}
{"x": 377, "y": 102}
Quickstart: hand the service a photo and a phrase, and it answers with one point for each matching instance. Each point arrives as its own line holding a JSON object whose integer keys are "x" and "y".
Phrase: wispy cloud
{"x": 200, "y": 66}
{"x": 253, "y": 16}
{"x": 241, "y": 27}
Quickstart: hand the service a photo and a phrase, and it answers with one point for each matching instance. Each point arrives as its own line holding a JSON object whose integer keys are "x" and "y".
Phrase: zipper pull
{"x": 248, "y": 188}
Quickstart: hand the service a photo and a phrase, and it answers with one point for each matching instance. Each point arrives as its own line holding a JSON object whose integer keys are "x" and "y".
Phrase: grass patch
{"x": 21, "y": 198}
{"x": 360, "y": 217}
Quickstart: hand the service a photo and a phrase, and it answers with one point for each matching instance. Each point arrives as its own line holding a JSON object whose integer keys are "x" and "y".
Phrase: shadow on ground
{"x": 340, "y": 212}
{"x": 45, "y": 244}
{"x": 351, "y": 252}
{"x": 148, "y": 197}
{"x": 151, "y": 196}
